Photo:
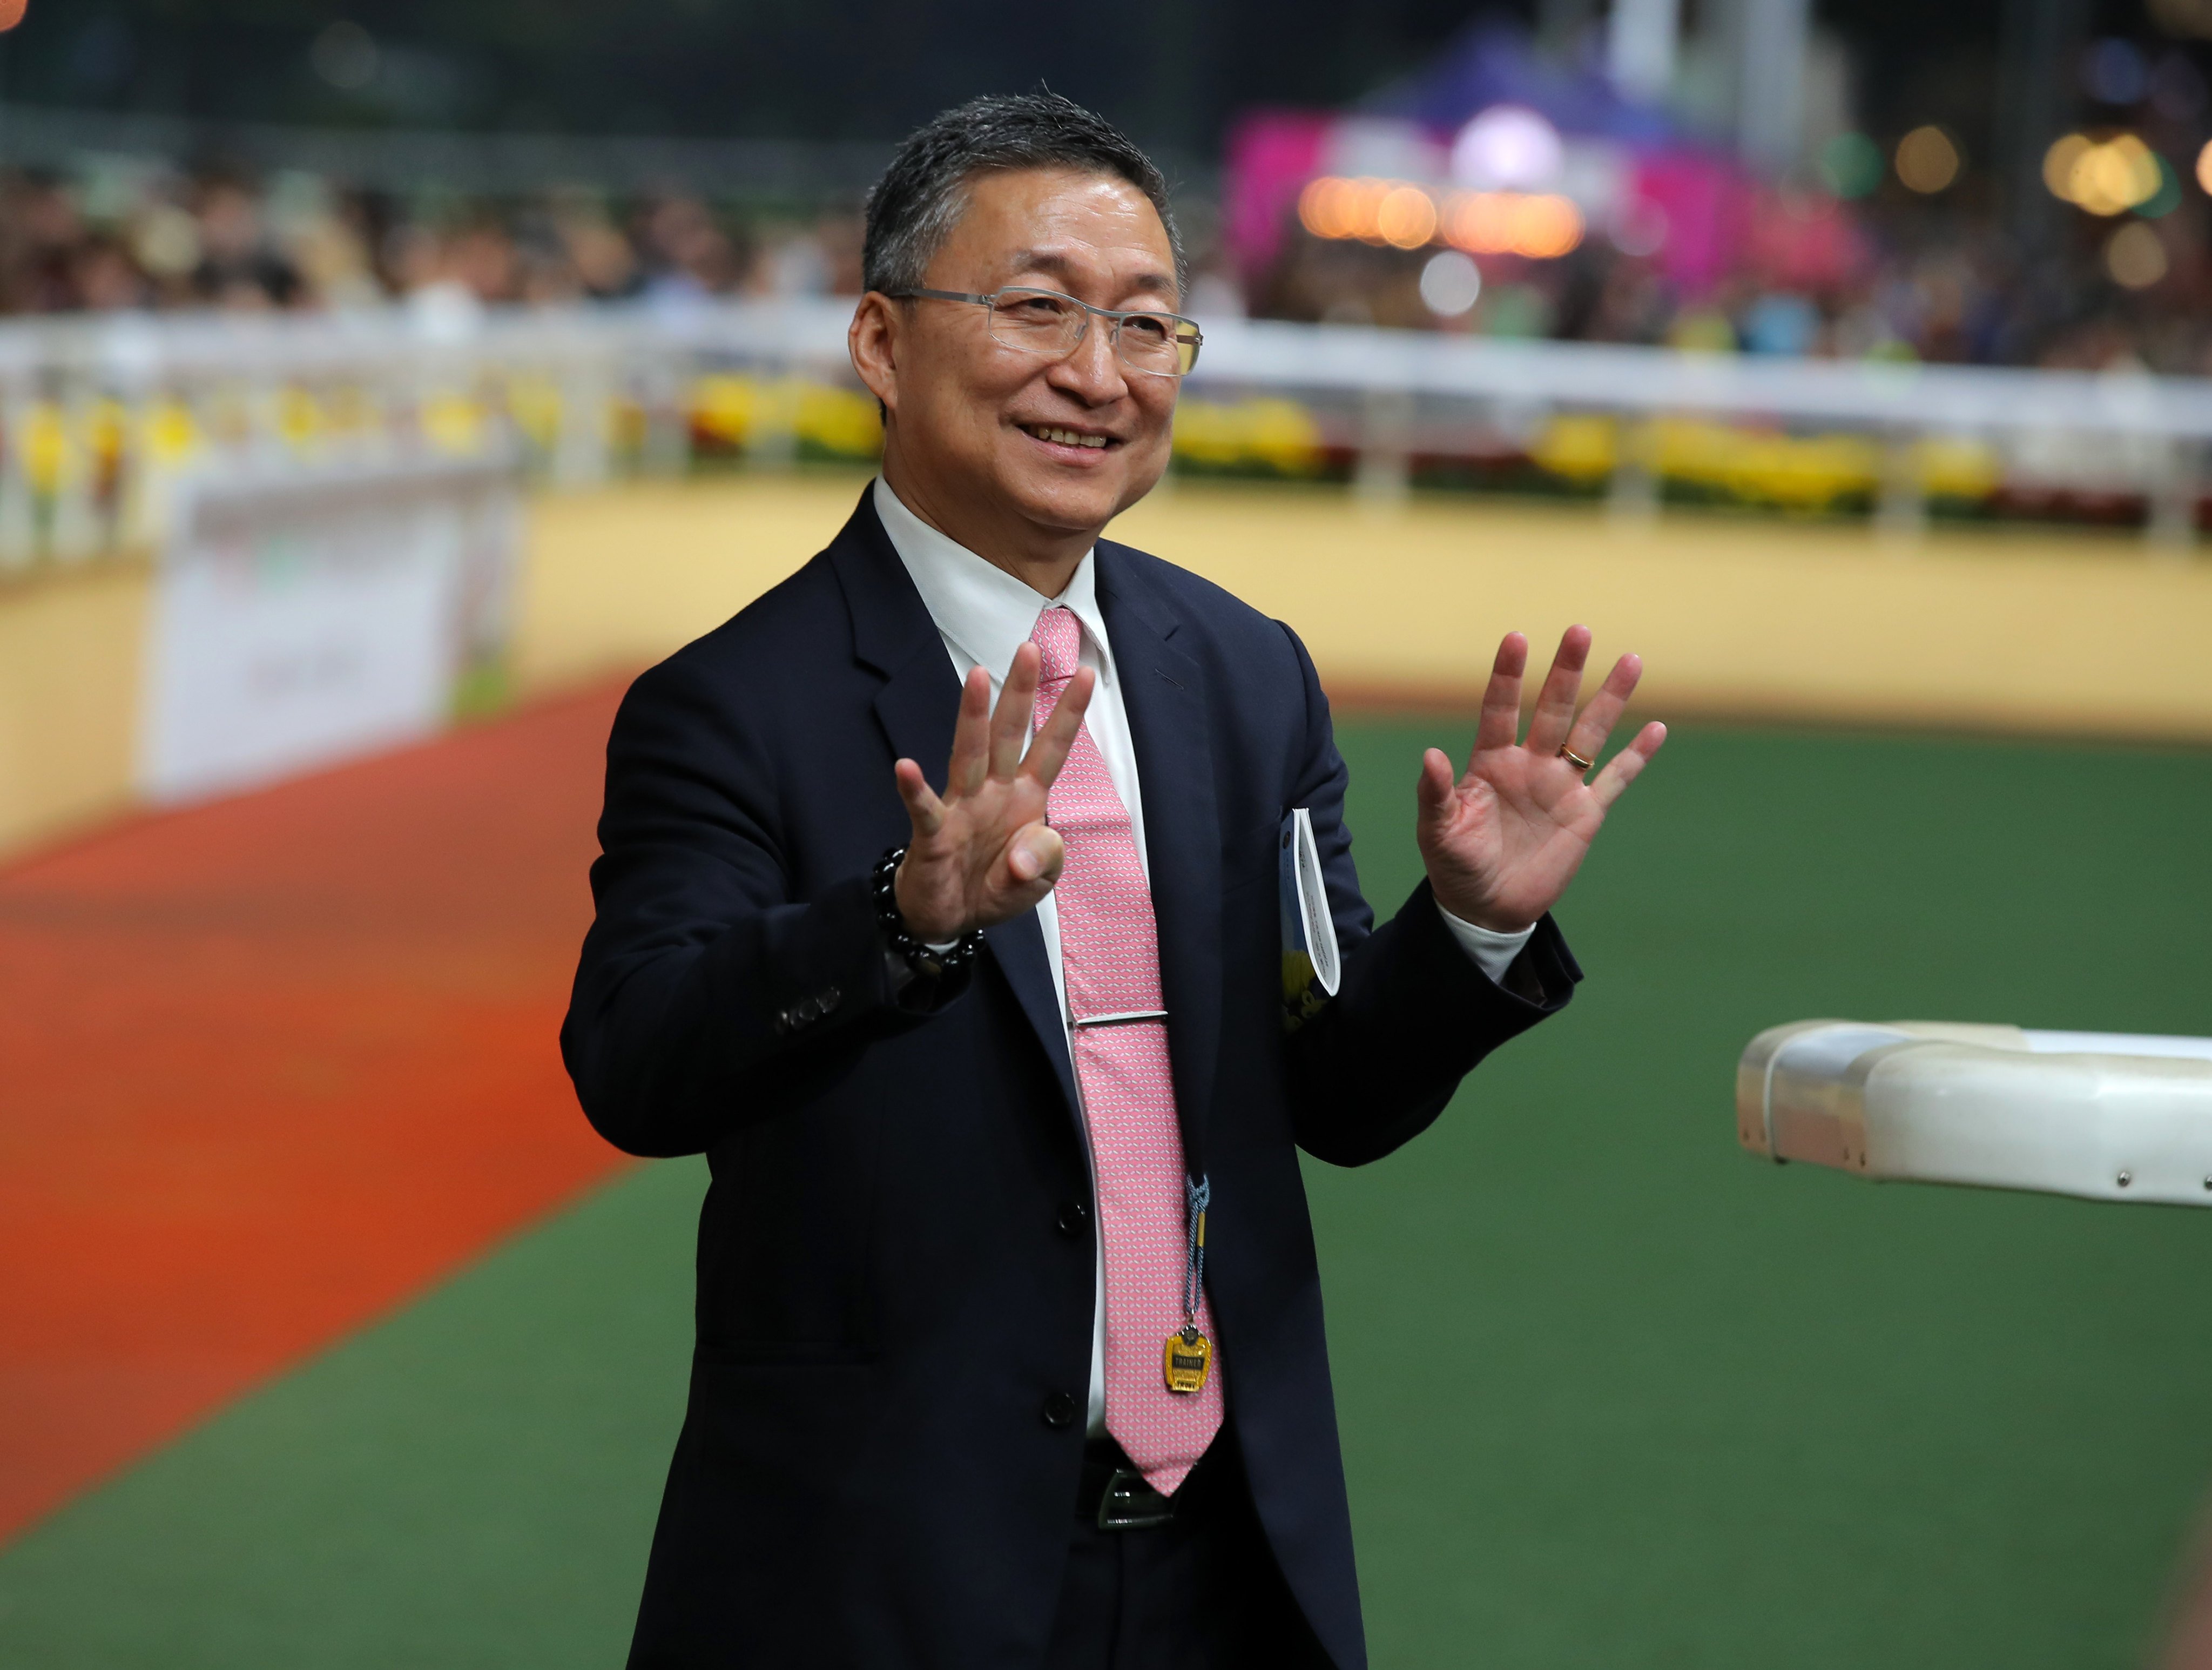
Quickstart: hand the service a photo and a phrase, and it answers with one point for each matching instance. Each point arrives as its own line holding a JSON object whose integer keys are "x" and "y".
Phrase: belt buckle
{"x": 1131, "y": 1504}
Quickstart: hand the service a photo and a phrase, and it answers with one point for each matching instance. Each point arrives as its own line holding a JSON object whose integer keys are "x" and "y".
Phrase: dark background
{"x": 1173, "y": 71}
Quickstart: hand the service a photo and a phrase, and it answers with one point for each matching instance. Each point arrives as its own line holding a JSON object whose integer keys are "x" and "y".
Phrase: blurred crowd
{"x": 219, "y": 239}
{"x": 1924, "y": 284}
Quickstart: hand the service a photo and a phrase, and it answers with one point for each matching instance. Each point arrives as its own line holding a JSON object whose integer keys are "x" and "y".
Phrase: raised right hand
{"x": 983, "y": 853}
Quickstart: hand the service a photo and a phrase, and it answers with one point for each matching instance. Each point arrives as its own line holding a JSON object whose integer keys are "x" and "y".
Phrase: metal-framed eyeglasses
{"x": 1047, "y": 322}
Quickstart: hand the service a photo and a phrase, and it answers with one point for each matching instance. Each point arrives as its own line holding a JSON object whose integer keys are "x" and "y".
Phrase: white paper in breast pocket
{"x": 1311, "y": 968}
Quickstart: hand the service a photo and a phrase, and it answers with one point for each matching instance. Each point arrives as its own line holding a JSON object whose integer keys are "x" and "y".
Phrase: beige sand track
{"x": 71, "y": 647}
{"x": 2037, "y": 631}
{"x": 2017, "y": 630}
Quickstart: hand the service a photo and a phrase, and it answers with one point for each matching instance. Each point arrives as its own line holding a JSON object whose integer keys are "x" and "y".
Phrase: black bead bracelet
{"x": 921, "y": 958}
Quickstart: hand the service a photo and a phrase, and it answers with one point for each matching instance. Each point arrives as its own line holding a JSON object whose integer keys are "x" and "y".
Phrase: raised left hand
{"x": 1503, "y": 840}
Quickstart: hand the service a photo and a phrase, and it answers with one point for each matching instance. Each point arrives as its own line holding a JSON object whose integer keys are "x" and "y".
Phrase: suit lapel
{"x": 1018, "y": 948}
{"x": 918, "y": 707}
{"x": 1164, "y": 694}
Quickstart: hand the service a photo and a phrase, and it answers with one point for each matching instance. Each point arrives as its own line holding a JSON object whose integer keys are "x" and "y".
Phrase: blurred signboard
{"x": 304, "y": 617}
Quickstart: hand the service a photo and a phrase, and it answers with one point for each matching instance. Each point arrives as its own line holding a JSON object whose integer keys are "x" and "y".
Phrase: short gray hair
{"x": 913, "y": 208}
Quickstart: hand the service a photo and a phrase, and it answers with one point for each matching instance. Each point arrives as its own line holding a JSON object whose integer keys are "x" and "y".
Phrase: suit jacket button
{"x": 1074, "y": 1218}
{"x": 1061, "y": 1410}
{"x": 831, "y": 998}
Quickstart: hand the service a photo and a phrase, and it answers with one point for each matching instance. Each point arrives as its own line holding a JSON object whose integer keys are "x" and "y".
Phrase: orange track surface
{"x": 273, "y": 1065}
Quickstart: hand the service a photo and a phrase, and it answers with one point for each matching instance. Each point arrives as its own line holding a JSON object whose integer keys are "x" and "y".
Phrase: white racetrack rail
{"x": 2102, "y": 1115}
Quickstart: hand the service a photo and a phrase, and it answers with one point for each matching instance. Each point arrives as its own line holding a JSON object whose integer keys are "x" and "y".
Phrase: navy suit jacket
{"x": 895, "y": 1270}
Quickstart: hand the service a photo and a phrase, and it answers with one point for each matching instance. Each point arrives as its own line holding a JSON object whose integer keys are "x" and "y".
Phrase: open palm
{"x": 1502, "y": 840}
{"x": 982, "y": 852}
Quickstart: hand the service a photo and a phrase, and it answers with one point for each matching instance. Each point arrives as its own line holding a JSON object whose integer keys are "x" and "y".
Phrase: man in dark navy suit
{"x": 938, "y": 907}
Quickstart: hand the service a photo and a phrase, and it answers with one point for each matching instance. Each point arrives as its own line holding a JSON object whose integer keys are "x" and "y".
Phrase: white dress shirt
{"x": 984, "y": 615}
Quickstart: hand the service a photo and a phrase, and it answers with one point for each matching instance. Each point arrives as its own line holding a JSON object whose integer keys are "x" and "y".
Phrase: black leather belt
{"x": 1114, "y": 1494}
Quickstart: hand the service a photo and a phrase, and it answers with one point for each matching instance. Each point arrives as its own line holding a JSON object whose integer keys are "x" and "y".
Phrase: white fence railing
{"x": 100, "y": 418}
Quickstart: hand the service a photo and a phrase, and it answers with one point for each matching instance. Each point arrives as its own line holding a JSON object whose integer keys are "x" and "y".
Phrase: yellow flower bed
{"x": 1279, "y": 435}
{"x": 737, "y": 412}
{"x": 1761, "y": 466}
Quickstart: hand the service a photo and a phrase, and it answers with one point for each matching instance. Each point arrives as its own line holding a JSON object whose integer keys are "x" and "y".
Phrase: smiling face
{"x": 1021, "y": 456}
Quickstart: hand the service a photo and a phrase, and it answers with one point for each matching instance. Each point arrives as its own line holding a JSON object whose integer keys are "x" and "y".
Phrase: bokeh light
{"x": 2168, "y": 198}
{"x": 2136, "y": 256}
{"x": 1481, "y": 221}
{"x": 2204, "y": 165}
{"x": 1333, "y": 207}
{"x": 1851, "y": 164}
{"x": 1506, "y": 147}
{"x": 1927, "y": 159}
{"x": 2104, "y": 177}
{"x": 1638, "y": 226}
{"x": 1539, "y": 225}
{"x": 1405, "y": 218}
{"x": 2059, "y": 164}
{"x": 1450, "y": 283}
{"x": 1548, "y": 226}
{"x": 2113, "y": 72}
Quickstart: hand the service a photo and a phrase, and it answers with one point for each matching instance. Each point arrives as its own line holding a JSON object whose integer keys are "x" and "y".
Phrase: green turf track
{"x": 1613, "y": 1394}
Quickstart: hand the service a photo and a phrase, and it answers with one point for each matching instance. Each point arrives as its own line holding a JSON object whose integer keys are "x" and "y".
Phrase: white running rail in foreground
{"x": 2103, "y": 1115}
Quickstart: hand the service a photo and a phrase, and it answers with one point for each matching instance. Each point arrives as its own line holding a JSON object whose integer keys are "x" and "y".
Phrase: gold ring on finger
{"x": 1580, "y": 763}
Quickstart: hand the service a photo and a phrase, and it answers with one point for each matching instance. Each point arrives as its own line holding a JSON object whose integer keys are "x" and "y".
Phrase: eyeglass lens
{"x": 1046, "y": 322}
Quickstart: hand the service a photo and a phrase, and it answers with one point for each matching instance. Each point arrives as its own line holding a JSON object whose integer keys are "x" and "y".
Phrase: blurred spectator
{"x": 238, "y": 267}
{"x": 686, "y": 251}
{"x": 214, "y": 240}
{"x": 604, "y": 264}
{"x": 1923, "y": 289}
{"x": 42, "y": 241}
{"x": 1925, "y": 285}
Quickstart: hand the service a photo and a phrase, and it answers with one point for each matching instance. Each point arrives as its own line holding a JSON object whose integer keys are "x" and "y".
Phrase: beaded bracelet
{"x": 921, "y": 958}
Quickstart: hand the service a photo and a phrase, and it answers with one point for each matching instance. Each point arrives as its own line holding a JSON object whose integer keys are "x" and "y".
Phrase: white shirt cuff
{"x": 1493, "y": 952}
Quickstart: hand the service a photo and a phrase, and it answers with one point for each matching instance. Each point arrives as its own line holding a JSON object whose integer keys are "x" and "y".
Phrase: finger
{"x": 1434, "y": 788}
{"x": 1049, "y": 751}
{"x": 922, "y": 804}
{"x": 1501, "y": 698}
{"x": 1555, "y": 703}
{"x": 1597, "y": 720}
{"x": 970, "y": 735}
{"x": 1035, "y": 854}
{"x": 1009, "y": 723}
{"x": 1622, "y": 768}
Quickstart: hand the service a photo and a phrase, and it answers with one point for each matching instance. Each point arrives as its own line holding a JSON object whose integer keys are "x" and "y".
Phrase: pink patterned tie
{"x": 1109, "y": 958}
